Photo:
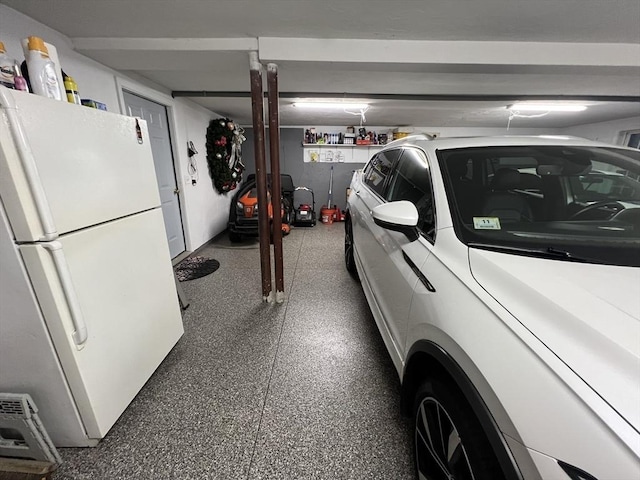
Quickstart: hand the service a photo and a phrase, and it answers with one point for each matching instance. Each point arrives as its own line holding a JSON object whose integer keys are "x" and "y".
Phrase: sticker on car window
{"x": 486, "y": 223}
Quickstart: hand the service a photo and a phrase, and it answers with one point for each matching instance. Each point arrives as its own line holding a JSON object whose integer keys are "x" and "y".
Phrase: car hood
{"x": 588, "y": 315}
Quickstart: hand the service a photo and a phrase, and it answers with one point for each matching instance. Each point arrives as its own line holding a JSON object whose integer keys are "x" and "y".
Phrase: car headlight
{"x": 239, "y": 206}
{"x": 575, "y": 473}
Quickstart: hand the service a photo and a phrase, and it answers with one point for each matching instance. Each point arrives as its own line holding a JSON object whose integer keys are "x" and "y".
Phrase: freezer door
{"x": 123, "y": 280}
{"x": 64, "y": 167}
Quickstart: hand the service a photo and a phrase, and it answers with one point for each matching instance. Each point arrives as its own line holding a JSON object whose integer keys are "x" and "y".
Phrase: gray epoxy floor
{"x": 300, "y": 390}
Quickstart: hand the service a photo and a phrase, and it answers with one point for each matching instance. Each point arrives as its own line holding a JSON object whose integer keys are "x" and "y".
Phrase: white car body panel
{"x": 587, "y": 314}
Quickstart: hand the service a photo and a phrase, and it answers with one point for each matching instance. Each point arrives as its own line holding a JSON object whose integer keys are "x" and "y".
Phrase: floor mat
{"x": 195, "y": 267}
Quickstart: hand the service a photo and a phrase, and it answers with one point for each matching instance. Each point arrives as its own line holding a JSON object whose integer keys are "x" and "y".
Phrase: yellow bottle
{"x": 71, "y": 87}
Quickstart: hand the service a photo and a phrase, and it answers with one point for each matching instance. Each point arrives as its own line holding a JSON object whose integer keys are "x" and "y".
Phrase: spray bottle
{"x": 7, "y": 68}
{"x": 42, "y": 71}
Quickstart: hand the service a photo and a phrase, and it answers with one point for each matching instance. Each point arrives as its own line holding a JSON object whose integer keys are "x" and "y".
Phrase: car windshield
{"x": 557, "y": 202}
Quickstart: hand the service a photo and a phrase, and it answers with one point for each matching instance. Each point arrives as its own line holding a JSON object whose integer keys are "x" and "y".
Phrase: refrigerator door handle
{"x": 80, "y": 333}
{"x": 29, "y": 165}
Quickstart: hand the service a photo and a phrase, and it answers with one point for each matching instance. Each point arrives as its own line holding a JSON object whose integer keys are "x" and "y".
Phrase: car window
{"x": 379, "y": 168}
{"x": 411, "y": 181}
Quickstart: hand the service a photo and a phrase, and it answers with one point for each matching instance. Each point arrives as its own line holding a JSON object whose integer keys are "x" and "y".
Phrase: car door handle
{"x": 425, "y": 281}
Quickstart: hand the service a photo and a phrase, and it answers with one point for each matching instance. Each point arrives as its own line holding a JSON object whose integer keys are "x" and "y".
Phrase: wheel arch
{"x": 428, "y": 359}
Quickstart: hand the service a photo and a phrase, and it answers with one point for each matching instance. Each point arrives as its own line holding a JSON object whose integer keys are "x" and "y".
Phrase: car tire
{"x": 449, "y": 441}
{"x": 349, "y": 259}
{"x": 235, "y": 237}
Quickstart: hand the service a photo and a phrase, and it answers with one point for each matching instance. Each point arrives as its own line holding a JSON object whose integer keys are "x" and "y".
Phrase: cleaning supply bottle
{"x": 7, "y": 68}
{"x": 19, "y": 80}
{"x": 42, "y": 71}
{"x": 71, "y": 87}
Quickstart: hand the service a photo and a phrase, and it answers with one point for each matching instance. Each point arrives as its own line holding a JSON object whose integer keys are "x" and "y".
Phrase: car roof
{"x": 444, "y": 143}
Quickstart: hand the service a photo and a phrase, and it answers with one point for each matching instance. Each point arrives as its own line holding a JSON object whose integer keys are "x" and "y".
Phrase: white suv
{"x": 503, "y": 274}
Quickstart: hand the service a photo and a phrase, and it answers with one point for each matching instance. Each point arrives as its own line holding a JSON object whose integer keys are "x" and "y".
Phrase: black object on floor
{"x": 195, "y": 267}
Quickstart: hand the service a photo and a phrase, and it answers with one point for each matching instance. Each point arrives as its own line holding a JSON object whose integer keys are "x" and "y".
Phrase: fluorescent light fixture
{"x": 331, "y": 106}
{"x": 547, "y": 107}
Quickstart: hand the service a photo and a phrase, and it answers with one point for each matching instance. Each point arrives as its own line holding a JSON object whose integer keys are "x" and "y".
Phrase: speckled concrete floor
{"x": 301, "y": 390}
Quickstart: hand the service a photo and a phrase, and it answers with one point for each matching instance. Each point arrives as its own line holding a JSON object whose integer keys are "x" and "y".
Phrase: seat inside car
{"x": 502, "y": 202}
{"x": 465, "y": 191}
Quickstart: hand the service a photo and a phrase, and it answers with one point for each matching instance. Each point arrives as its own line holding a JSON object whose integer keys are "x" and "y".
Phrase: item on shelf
{"x": 71, "y": 87}
{"x": 7, "y": 68}
{"x": 402, "y": 132}
{"x": 42, "y": 70}
{"x": 382, "y": 138}
{"x": 87, "y": 102}
{"x": 20, "y": 81}
{"x": 349, "y": 139}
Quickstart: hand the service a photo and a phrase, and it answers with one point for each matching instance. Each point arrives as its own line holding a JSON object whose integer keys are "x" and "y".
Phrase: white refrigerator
{"x": 88, "y": 302}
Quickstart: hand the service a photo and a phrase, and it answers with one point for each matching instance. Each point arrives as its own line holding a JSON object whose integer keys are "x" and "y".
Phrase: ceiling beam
{"x": 87, "y": 44}
{"x": 413, "y": 97}
{"x": 273, "y": 49}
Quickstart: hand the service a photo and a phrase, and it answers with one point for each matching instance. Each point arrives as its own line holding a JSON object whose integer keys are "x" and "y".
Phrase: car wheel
{"x": 349, "y": 261}
{"x": 449, "y": 441}
{"x": 235, "y": 237}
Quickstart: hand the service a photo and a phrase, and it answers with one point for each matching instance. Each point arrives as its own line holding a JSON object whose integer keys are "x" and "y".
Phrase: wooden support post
{"x": 261, "y": 173}
{"x": 276, "y": 187}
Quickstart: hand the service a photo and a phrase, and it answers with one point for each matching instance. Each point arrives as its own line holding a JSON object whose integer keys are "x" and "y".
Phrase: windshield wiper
{"x": 551, "y": 253}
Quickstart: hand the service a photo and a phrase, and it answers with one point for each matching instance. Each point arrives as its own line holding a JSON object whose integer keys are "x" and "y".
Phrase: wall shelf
{"x": 338, "y": 153}
{"x": 340, "y": 145}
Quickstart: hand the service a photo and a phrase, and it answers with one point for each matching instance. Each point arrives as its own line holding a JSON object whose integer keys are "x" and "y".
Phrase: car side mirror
{"x": 400, "y": 216}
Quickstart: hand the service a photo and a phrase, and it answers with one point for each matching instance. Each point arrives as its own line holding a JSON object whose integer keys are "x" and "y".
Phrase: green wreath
{"x": 224, "y": 157}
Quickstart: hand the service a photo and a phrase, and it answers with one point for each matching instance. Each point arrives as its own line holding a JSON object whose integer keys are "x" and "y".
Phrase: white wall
{"x": 204, "y": 211}
{"x": 207, "y": 211}
{"x": 609, "y": 132}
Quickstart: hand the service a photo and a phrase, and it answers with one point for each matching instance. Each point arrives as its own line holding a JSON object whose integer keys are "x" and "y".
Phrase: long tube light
{"x": 547, "y": 107}
{"x": 331, "y": 106}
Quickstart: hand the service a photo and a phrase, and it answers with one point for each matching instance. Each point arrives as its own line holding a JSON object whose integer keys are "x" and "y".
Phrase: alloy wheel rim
{"x": 440, "y": 453}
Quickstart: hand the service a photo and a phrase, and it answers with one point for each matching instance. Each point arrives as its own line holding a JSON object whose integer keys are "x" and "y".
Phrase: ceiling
{"x": 415, "y": 62}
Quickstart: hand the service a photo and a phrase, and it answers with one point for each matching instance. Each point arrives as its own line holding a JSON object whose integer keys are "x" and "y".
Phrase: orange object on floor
{"x": 326, "y": 215}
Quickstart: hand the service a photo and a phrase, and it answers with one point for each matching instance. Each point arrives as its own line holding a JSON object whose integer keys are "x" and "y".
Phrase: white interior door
{"x": 158, "y": 125}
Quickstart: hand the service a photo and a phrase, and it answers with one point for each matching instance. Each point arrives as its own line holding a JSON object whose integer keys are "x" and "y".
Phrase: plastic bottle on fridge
{"x": 42, "y": 71}
{"x": 71, "y": 87}
{"x": 7, "y": 68}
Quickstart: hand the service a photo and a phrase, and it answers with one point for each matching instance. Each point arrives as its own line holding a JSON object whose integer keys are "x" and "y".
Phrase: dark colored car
{"x": 243, "y": 213}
